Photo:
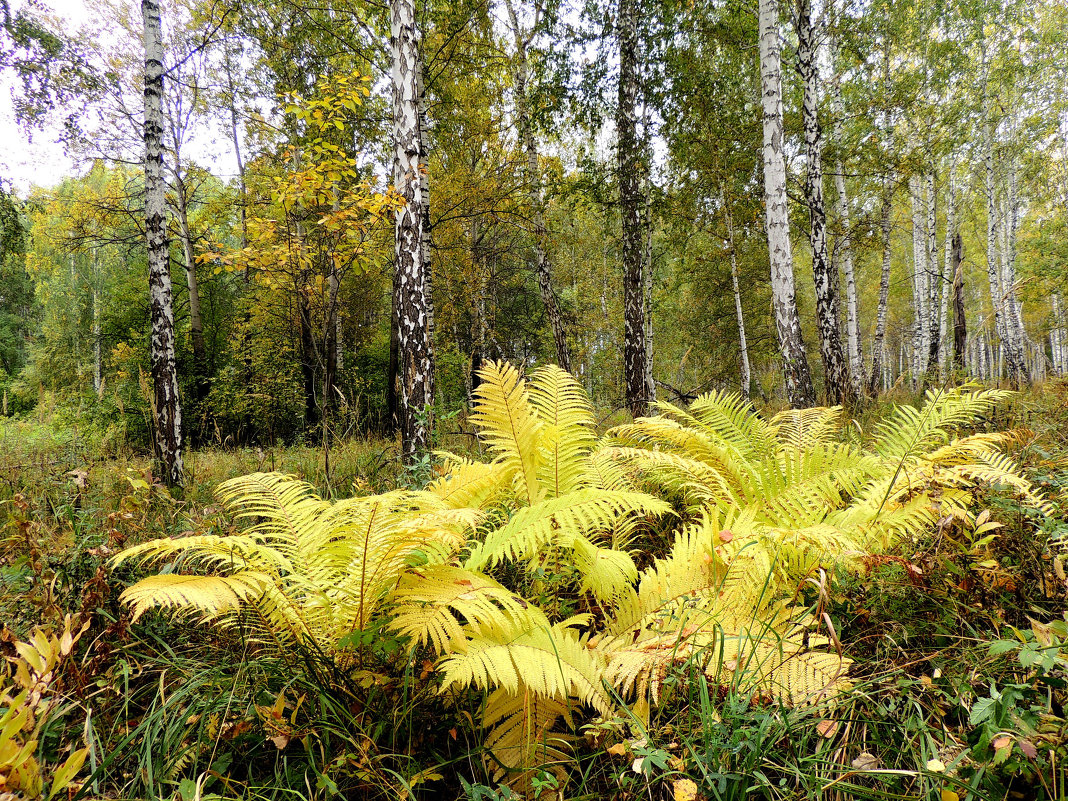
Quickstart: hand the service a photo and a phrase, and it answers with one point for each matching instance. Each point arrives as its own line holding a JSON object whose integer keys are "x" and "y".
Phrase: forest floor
{"x": 960, "y": 654}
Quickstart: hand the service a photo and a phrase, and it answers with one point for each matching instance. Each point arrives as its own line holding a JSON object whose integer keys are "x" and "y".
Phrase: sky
{"x": 41, "y": 161}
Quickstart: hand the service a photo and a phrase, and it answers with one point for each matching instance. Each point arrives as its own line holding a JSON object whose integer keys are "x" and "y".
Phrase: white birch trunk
{"x": 414, "y": 313}
{"x": 167, "y": 409}
{"x": 746, "y": 372}
{"x": 784, "y": 301}
{"x": 947, "y": 274}
{"x": 920, "y": 325}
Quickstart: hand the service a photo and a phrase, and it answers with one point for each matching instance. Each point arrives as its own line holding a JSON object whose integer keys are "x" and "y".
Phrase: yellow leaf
{"x": 66, "y": 772}
{"x": 949, "y": 795}
{"x": 685, "y": 790}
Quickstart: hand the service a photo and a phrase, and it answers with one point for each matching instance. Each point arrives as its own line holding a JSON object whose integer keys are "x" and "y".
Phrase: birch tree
{"x": 845, "y": 244}
{"x": 839, "y": 385}
{"x": 784, "y": 300}
{"x": 746, "y": 371}
{"x": 414, "y": 302}
{"x": 167, "y": 408}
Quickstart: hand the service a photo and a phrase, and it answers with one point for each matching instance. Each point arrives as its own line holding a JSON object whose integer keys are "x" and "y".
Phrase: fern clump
{"x": 816, "y": 497}
{"x": 305, "y": 570}
{"x": 519, "y": 572}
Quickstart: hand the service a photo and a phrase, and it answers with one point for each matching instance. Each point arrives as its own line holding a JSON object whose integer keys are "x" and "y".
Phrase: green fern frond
{"x": 509, "y": 424}
{"x": 910, "y": 432}
{"x": 733, "y": 419}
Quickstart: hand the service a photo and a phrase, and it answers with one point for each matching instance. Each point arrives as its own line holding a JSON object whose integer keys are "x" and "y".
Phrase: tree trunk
{"x": 542, "y": 265}
{"x": 196, "y": 321}
{"x": 845, "y": 245}
{"x": 1015, "y": 308}
{"x": 629, "y": 158}
{"x": 415, "y": 304}
{"x": 309, "y": 357}
{"x": 998, "y": 293}
{"x": 960, "y": 329}
{"x": 948, "y": 272}
{"x": 647, "y": 279}
{"x": 878, "y": 343}
{"x": 167, "y": 406}
{"x": 935, "y": 283}
{"x": 839, "y": 385}
{"x": 920, "y": 326}
{"x": 746, "y": 375}
{"x": 783, "y": 298}
{"x": 98, "y": 379}
{"x": 391, "y": 424}
{"x": 1057, "y": 338}
{"x": 331, "y": 341}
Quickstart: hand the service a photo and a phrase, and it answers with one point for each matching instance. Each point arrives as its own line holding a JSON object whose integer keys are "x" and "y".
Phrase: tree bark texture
{"x": 836, "y": 373}
{"x": 935, "y": 282}
{"x": 878, "y": 346}
{"x": 167, "y": 409}
{"x": 783, "y": 294}
{"x": 746, "y": 372}
{"x": 628, "y": 160}
{"x": 845, "y": 246}
{"x": 998, "y": 295}
{"x": 948, "y": 273}
{"x": 414, "y": 317}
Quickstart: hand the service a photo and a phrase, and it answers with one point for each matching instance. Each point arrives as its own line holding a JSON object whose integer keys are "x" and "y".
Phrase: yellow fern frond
{"x": 441, "y": 605}
{"x": 471, "y": 484}
{"x": 508, "y": 423}
{"x": 567, "y": 434}
{"x": 733, "y": 419}
{"x": 211, "y": 596}
{"x": 521, "y": 737}
{"x": 806, "y": 428}
{"x": 550, "y": 662}
{"x": 560, "y": 520}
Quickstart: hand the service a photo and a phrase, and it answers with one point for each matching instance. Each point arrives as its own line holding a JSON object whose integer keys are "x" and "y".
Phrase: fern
{"x": 305, "y": 569}
{"x": 509, "y": 425}
{"x": 767, "y": 502}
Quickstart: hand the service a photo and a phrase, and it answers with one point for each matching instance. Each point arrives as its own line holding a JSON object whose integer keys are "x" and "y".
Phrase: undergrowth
{"x": 955, "y": 635}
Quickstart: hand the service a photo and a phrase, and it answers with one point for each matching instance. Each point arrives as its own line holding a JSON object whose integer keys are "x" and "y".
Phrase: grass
{"x": 958, "y": 691}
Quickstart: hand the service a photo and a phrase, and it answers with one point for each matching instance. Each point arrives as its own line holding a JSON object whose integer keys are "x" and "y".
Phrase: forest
{"x": 534, "y": 399}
